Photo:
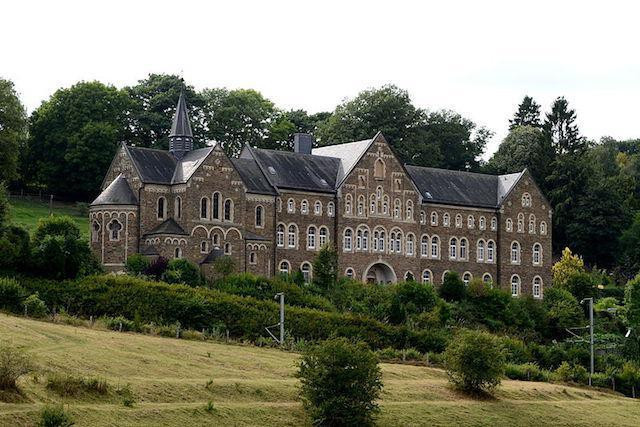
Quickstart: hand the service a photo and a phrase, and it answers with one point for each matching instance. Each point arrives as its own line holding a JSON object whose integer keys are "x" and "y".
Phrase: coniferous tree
{"x": 528, "y": 114}
{"x": 561, "y": 131}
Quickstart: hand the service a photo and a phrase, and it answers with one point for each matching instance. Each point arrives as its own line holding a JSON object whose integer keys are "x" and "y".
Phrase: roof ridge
{"x": 271, "y": 150}
{"x": 453, "y": 170}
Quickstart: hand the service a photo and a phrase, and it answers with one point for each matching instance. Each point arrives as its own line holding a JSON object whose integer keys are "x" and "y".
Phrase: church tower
{"x": 181, "y": 138}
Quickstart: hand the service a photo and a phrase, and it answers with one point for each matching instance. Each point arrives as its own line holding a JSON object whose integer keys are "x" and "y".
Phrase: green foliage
{"x": 514, "y": 350}
{"x": 566, "y": 267}
{"x": 183, "y": 271}
{"x": 522, "y": 148}
{"x": 55, "y": 416}
{"x": 528, "y": 114}
{"x": 567, "y": 372}
{"x": 340, "y": 383}
{"x": 71, "y": 385}
{"x": 581, "y": 285}
{"x": 137, "y": 264}
{"x": 632, "y": 302}
{"x": 224, "y": 265}
{"x": 127, "y": 396}
{"x": 13, "y": 364}
{"x": 13, "y": 132}
{"x": 526, "y": 372}
{"x": 15, "y": 247}
{"x": 563, "y": 310}
{"x": 4, "y": 206}
{"x": 35, "y": 307}
{"x": 11, "y": 295}
{"x": 409, "y": 299}
{"x": 474, "y": 361}
{"x": 325, "y": 267}
{"x": 371, "y": 299}
{"x": 452, "y": 288}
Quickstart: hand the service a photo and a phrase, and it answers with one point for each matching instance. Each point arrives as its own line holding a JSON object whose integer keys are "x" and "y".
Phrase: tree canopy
{"x": 13, "y": 130}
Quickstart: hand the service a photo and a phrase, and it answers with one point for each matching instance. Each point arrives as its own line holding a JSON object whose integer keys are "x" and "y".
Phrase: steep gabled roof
{"x": 212, "y": 256}
{"x": 117, "y": 193}
{"x": 168, "y": 226}
{"x": 180, "y": 125}
{"x": 190, "y": 163}
{"x": 252, "y": 176}
{"x": 348, "y": 153}
{"x": 153, "y": 166}
{"x": 298, "y": 171}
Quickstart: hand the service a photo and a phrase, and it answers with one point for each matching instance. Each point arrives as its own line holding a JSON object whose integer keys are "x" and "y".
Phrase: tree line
{"x": 66, "y": 145}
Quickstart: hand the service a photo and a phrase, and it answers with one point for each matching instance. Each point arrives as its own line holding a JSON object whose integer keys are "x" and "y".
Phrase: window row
{"x": 305, "y": 207}
{"x": 536, "y": 286}
{"x": 317, "y": 237}
{"x": 516, "y": 253}
{"x": 379, "y": 204}
{"x": 434, "y": 220}
{"x": 520, "y": 225}
{"x": 363, "y": 240}
{"x": 305, "y": 268}
{"x": 216, "y": 209}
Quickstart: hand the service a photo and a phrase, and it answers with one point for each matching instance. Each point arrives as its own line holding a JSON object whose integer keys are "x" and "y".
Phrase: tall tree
{"x": 153, "y": 102}
{"x": 528, "y": 114}
{"x": 13, "y": 130}
{"x": 73, "y": 137}
{"x": 561, "y": 131}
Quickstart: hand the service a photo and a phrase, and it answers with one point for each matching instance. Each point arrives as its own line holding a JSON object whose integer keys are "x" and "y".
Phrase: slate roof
{"x": 117, "y": 193}
{"x": 252, "y": 236}
{"x": 298, "y": 171}
{"x": 189, "y": 163}
{"x": 150, "y": 251}
{"x": 252, "y": 176}
{"x": 348, "y": 154}
{"x": 154, "y": 166}
{"x": 181, "y": 125}
{"x": 461, "y": 188}
{"x": 168, "y": 226}
{"x": 212, "y": 256}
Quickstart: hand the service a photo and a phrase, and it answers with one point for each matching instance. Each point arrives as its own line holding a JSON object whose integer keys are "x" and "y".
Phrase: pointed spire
{"x": 181, "y": 137}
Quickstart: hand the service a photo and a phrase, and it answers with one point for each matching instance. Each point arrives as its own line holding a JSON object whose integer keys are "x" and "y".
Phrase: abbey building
{"x": 271, "y": 211}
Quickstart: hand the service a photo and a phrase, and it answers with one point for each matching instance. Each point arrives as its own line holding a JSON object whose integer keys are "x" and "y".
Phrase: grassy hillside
{"x": 26, "y": 213}
{"x": 173, "y": 380}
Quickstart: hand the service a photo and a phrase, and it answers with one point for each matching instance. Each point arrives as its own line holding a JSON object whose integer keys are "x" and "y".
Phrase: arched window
{"x": 293, "y": 236}
{"x": 424, "y": 246}
{"x": 392, "y": 239}
{"x": 453, "y": 248}
{"x": 95, "y": 231}
{"x": 458, "y": 221}
{"x": 385, "y": 205}
{"x": 360, "y": 205}
{"x": 515, "y": 285}
{"x": 426, "y": 276}
{"x": 311, "y": 237}
{"x": 480, "y": 252}
{"x": 532, "y": 224}
{"x": 204, "y": 247}
{"x": 409, "y": 214}
{"x": 471, "y": 222}
{"x": 509, "y": 225}
{"x": 379, "y": 192}
{"x": 409, "y": 277}
{"x": 537, "y": 287}
{"x": 410, "y": 244}
{"x": 330, "y": 209}
{"x": 494, "y": 223}
{"x": 379, "y": 169}
{"x": 177, "y": 207}
{"x": 216, "y": 239}
{"x": 161, "y": 208}
{"x": 259, "y": 215}
{"x": 347, "y": 204}
{"x": 227, "y": 248}
{"x": 381, "y": 241}
{"x": 520, "y": 223}
{"x": 280, "y": 235}
{"x": 444, "y": 275}
{"x": 284, "y": 267}
{"x": 178, "y": 253}
{"x": 215, "y": 205}
{"x": 515, "y": 253}
{"x": 204, "y": 208}
{"x": 435, "y": 247}
{"x": 228, "y": 210}
{"x": 253, "y": 258}
{"x": 463, "y": 249}
{"x": 526, "y": 200}
{"x": 434, "y": 218}
{"x": 346, "y": 240}
{"x": 358, "y": 240}
{"x": 305, "y": 269}
{"x": 490, "y": 250}
{"x": 482, "y": 223}
{"x": 324, "y": 233}
{"x": 304, "y": 207}
{"x": 445, "y": 220}
{"x": 291, "y": 206}
{"x": 486, "y": 279}
{"x": 466, "y": 278}
{"x": 365, "y": 240}
{"x": 397, "y": 206}
{"x": 373, "y": 205}
{"x": 537, "y": 254}
{"x": 398, "y": 242}
{"x": 317, "y": 208}
{"x": 543, "y": 228}
{"x": 423, "y": 217}
{"x": 349, "y": 273}
{"x": 114, "y": 230}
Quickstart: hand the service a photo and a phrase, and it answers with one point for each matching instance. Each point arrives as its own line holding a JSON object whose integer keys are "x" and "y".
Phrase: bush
{"x": 571, "y": 373}
{"x": 474, "y": 361}
{"x": 563, "y": 310}
{"x": 525, "y": 372}
{"x": 120, "y": 324}
{"x": 55, "y": 416}
{"x": 70, "y": 385}
{"x": 632, "y": 302}
{"x": 515, "y": 350}
{"x": 340, "y": 383}
{"x": 15, "y": 247}
{"x": 452, "y": 288}
{"x": 157, "y": 268}
{"x": 411, "y": 298}
{"x": 325, "y": 267}
{"x": 35, "y": 307}
{"x": 137, "y": 264}
{"x": 13, "y": 364}
{"x": 224, "y": 265}
{"x": 11, "y": 295}
{"x": 180, "y": 270}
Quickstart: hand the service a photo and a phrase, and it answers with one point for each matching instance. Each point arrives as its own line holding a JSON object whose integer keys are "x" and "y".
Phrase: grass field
{"x": 26, "y": 213}
{"x": 173, "y": 380}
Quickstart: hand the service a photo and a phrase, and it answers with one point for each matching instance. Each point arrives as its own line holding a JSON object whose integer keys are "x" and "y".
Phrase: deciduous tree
{"x": 13, "y": 130}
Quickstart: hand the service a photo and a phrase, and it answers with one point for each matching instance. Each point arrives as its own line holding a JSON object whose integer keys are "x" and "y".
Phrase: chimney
{"x": 302, "y": 143}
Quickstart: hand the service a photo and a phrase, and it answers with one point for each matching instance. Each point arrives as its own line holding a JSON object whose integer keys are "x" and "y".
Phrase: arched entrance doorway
{"x": 379, "y": 272}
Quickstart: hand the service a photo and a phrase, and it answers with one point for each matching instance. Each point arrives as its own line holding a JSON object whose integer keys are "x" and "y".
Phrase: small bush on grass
{"x": 119, "y": 323}
{"x": 452, "y": 288}
{"x": 35, "y": 307}
{"x": 137, "y": 264}
{"x": 571, "y": 373}
{"x": 474, "y": 361}
{"x": 11, "y": 294}
{"x": 526, "y": 372}
{"x": 55, "y": 416}
{"x": 340, "y": 383}
{"x": 13, "y": 364}
{"x": 70, "y": 385}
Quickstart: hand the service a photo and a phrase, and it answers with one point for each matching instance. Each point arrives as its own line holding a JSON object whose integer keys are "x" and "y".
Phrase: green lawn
{"x": 173, "y": 380}
{"x": 26, "y": 213}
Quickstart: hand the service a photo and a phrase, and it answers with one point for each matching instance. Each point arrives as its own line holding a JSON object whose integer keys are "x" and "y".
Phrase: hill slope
{"x": 26, "y": 213}
{"x": 173, "y": 380}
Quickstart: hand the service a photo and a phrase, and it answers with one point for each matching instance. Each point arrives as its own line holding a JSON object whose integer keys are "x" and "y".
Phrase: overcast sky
{"x": 478, "y": 58}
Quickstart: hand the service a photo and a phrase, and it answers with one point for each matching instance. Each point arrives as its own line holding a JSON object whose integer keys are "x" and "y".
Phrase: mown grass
{"x": 26, "y": 213}
{"x": 177, "y": 382}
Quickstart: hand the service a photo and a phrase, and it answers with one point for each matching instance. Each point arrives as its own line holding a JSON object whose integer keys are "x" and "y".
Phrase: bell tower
{"x": 181, "y": 137}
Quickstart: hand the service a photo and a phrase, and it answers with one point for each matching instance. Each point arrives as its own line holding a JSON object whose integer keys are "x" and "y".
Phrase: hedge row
{"x": 201, "y": 308}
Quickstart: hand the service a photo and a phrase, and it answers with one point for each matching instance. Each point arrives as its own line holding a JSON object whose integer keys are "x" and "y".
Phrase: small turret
{"x": 181, "y": 137}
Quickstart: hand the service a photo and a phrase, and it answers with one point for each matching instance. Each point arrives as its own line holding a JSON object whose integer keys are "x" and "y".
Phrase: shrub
{"x": 15, "y": 247}
{"x": 13, "y": 364}
{"x": 411, "y": 298}
{"x": 70, "y": 385}
{"x": 137, "y": 264}
{"x": 515, "y": 350}
{"x": 157, "y": 268}
{"x": 11, "y": 294}
{"x": 35, "y": 307}
{"x": 452, "y": 288}
{"x": 55, "y": 416}
{"x": 389, "y": 353}
{"x": 120, "y": 323}
{"x": 563, "y": 310}
{"x": 224, "y": 265}
{"x": 525, "y": 372}
{"x": 325, "y": 267}
{"x": 340, "y": 383}
{"x": 474, "y": 361}
{"x": 180, "y": 270}
{"x": 570, "y": 373}
{"x": 581, "y": 285}
{"x": 632, "y": 302}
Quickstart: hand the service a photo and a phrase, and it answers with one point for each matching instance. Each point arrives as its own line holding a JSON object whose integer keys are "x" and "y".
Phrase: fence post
{"x": 50, "y": 204}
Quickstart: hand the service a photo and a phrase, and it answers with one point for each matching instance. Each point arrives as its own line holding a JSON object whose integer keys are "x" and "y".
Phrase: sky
{"x": 478, "y": 58}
